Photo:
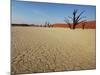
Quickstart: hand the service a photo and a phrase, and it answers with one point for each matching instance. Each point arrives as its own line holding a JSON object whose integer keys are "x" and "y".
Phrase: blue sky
{"x": 39, "y": 13}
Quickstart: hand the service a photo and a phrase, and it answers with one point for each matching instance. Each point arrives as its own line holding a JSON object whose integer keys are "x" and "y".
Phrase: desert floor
{"x": 51, "y": 49}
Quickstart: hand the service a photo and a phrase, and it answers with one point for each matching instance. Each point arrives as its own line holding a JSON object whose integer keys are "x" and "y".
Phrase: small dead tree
{"x": 83, "y": 25}
{"x": 76, "y": 19}
{"x": 47, "y": 24}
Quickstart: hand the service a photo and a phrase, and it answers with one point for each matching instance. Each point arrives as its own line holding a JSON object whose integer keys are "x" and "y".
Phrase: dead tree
{"x": 83, "y": 25}
{"x": 47, "y": 24}
{"x": 75, "y": 19}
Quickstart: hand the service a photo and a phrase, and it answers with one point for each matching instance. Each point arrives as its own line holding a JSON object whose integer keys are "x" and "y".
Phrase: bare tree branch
{"x": 79, "y": 15}
{"x": 81, "y": 18}
{"x": 76, "y": 19}
{"x": 70, "y": 17}
{"x": 67, "y": 21}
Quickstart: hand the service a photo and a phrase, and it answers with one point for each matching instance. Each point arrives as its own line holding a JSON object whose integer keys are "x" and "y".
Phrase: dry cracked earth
{"x": 36, "y": 50}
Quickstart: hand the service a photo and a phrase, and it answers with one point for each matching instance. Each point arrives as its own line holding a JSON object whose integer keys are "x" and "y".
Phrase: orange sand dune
{"x": 88, "y": 25}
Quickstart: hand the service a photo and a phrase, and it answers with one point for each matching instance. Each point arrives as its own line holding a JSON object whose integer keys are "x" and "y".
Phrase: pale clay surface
{"x": 51, "y": 49}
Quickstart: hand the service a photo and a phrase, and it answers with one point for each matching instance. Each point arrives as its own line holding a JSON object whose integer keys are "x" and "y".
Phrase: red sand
{"x": 88, "y": 25}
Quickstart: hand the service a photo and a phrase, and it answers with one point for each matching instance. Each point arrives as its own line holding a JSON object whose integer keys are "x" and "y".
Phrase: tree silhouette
{"x": 47, "y": 24}
{"x": 83, "y": 25}
{"x": 76, "y": 19}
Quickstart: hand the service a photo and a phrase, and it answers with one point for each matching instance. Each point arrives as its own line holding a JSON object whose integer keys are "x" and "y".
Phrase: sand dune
{"x": 36, "y": 49}
{"x": 88, "y": 25}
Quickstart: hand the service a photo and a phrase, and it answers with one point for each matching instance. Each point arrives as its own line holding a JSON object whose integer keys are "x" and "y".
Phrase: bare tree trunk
{"x": 76, "y": 19}
{"x": 83, "y": 26}
{"x": 73, "y": 26}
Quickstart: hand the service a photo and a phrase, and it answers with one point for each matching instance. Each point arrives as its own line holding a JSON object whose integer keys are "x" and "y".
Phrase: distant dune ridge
{"x": 88, "y": 25}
